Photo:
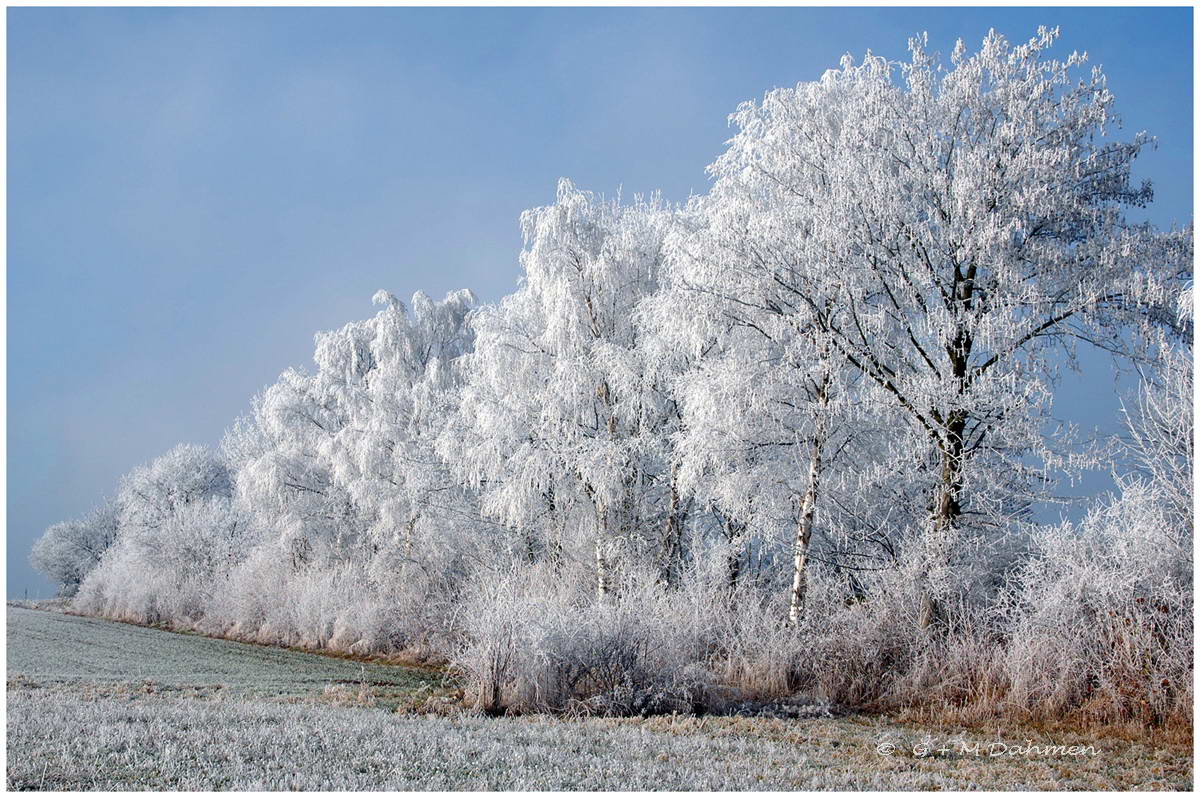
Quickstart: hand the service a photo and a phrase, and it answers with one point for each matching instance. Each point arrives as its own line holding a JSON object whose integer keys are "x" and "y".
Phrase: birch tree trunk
{"x": 808, "y": 504}
{"x": 804, "y": 526}
{"x": 604, "y": 577}
{"x": 407, "y": 540}
{"x": 672, "y": 536}
{"x": 604, "y": 566}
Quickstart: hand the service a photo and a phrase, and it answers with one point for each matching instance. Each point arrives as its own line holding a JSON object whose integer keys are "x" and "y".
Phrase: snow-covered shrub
{"x": 534, "y": 642}
{"x": 854, "y": 648}
{"x": 169, "y": 572}
{"x": 248, "y": 592}
{"x": 124, "y": 587}
{"x": 1101, "y": 615}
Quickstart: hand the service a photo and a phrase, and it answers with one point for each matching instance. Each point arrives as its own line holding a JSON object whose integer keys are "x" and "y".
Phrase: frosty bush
{"x": 1101, "y": 616}
{"x": 536, "y": 644}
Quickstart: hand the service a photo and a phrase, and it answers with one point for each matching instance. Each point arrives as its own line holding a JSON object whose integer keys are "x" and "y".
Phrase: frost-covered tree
{"x": 155, "y": 498}
{"x": 343, "y": 458}
{"x": 774, "y": 431}
{"x": 766, "y": 421}
{"x": 152, "y": 493}
{"x": 557, "y": 410}
{"x": 1159, "y": 444}
{"x": 176, "y": 528}
{"x": 68, "y": 551}
{"x": 282, "y": 454}
{"x": 949, "y": 231}
{"x": 385, "y": 454}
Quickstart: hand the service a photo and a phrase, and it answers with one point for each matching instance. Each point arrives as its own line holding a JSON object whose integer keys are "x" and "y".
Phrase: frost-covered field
{"x": 100, "y": 705}
{"x": 52, "y": 648}
{"x": 192, "y": 744}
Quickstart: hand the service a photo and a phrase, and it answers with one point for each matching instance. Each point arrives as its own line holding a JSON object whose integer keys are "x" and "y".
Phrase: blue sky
{"x": 192, "y": 193}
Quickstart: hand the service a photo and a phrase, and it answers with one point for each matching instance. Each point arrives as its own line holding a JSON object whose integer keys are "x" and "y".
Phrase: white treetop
{"x": 943, "y": 228}
{"x": 557, "y": 406}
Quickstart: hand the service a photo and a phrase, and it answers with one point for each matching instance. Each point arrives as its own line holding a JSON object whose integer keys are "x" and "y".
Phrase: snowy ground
{"x": 100, "y": 705}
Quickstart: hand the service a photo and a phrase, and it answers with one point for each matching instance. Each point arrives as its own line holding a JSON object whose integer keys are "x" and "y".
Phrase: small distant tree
{"x": 152, "y": 495}
{"x": 68, "y": 551}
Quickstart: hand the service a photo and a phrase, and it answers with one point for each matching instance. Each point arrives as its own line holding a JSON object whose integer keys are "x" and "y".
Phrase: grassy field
{"x": 100, "y": 705}
{"x": 54, "y": 649}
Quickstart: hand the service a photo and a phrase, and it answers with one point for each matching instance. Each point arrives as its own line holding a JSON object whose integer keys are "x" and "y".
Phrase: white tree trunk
{"x": 672, "y": 536}
{"x": 804, "y": 526}
{"x": 604, "y": 566}
{"x": 604, "y": 584}
{"x": 808, "y": 505}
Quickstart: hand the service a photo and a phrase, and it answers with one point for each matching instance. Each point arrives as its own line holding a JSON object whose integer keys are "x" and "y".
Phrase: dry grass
{"x": 993, "y": 758}
{"x": 147, "y": 738}
{"x": 214, "y": 714}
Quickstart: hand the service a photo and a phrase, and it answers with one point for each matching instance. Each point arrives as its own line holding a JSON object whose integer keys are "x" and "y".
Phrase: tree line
{"x": 785, "y": 437}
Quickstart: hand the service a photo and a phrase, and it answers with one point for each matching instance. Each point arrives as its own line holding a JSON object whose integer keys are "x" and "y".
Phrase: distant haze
{"x": 193, "y": 193}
